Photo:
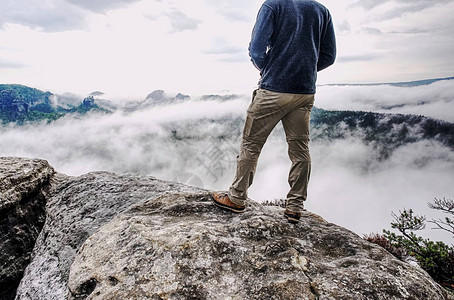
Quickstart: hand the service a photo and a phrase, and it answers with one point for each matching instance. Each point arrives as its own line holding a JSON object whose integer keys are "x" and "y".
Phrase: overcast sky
{"x": 130, "y": 47}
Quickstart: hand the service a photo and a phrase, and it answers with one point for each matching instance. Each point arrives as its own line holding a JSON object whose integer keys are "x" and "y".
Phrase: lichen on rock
{"x": 23, "y": 184}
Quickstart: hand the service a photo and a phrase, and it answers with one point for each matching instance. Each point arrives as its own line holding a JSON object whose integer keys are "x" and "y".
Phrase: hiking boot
{"x": 292, "y": 217}
{"x": 222, "y": 200}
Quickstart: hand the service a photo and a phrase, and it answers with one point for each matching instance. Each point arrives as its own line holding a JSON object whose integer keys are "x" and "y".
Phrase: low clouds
{"x": 349, "y": 186}
{"x": 435, "y": 100}
{"x": 141, "y": 142}
{"x": 342, "y": 193}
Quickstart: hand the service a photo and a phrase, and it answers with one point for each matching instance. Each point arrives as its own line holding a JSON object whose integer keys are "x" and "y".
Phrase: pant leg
{"x": 296, "y": 127}
{"x": 262, "y": 116}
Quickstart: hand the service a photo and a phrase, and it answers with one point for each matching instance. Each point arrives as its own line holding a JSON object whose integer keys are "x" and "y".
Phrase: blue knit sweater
{"x": 291, "y": 41}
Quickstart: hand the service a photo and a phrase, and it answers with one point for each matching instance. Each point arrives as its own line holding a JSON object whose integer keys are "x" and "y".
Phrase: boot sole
{"x": 292, "y": 218}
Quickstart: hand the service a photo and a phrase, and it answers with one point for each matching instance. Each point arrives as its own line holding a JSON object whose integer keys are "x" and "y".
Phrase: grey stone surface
{"x": 21, "y": 177}
{"x": 180, "y": 246}
{"x": 110, "y": 236}
{"x": 23, "y": 183}
{"x": 78, "y": 207}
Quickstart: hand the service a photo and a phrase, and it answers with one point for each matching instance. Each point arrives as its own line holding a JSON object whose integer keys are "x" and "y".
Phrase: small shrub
{"x": 381, "y": 240}
{"x": 275, "y": 202}
{"x": 436, "y": 258}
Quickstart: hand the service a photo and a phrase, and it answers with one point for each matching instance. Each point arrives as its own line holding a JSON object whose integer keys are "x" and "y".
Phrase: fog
{"x": 196, "y": 142}
{"x": 435, "y": 100}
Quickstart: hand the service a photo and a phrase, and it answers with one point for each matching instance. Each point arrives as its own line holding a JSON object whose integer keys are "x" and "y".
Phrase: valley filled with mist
{"x": 375, "y": 148}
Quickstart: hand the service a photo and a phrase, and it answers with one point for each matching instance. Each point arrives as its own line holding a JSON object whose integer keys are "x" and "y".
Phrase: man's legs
{"x": 262, "y": 116}
{"x": 296, "y": 126}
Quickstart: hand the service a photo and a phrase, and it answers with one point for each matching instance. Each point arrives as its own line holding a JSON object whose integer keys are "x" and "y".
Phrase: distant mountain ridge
{"x": 385, "y": 131}
{"x": 21, "y": 104}
{"x": 30, "y": 95}
{"x": 398, "y": 84}
{"x": 44, "y": 105}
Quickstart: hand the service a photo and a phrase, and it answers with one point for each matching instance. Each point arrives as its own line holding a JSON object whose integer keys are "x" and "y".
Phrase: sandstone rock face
{"x": 180, "y": 246}
{"x": 109, "y": 236}
{"x": 22, "y": 213}
{"x": 78, "y": 207}
{"x": 20, "y": 178}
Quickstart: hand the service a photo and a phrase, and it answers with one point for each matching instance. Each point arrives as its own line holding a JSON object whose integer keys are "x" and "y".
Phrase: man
{"x": 291, "y": 41}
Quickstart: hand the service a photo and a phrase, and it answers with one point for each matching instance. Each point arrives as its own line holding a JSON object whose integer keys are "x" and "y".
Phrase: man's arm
{"x": 327, "y": 54}
{"x": 261, "y": 37}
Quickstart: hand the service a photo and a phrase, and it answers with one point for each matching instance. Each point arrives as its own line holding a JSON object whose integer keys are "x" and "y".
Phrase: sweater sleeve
{"x": 327, "y": 54}
{"x": 261, "y": 37}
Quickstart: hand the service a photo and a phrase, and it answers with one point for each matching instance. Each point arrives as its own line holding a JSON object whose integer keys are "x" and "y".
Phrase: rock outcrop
{"x": 180, "y": 246}
{"x": 110, "y": 236}
{"x": 78, "y": 208}
{"x": 88, "y": 102}
{"x": 11, "y": 104}
{"x": 23, "y": 186}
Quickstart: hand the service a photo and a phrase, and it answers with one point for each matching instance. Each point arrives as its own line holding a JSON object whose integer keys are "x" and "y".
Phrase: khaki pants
{"x": 266, "y": 110}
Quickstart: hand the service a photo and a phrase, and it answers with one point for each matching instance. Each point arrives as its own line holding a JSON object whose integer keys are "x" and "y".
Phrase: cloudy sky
{"x": 128, "y": 48}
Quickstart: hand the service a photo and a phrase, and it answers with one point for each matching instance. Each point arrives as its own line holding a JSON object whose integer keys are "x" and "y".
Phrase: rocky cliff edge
{"x": 112, "y": 236}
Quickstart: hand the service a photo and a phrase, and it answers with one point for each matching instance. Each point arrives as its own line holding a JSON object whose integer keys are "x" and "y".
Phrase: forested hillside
{"x": 20, "y": 104}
